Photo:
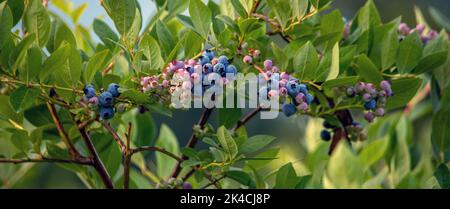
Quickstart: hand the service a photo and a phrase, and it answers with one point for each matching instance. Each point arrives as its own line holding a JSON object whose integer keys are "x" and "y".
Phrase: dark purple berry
{"x": 325, "y": 135}
{"x": 289, "y": 109}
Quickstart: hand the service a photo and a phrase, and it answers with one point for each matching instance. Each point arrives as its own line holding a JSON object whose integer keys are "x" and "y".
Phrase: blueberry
{"x": 204, "y": 60}
{"x": 385, "y": 85}
{"x": 219, "y": 68}
{"x": 369, "y": 116}
{"x": 325, "y": 135}
{"x": 367, "y": 97}
{"x": 89, "y": 91}
{"x": 263, "y": 92}
{"x": 289, "y": 109}
{"x": 208, "y": 53}
{"x": 351, "y": 92}
{"x": 370, "y": 105}
{"x": 248, "y": 59}
{"x": 223, "y": 60}
{"x": 231, "y": 69}
{"x": 113, "y": 88}
{"x": 106, "y": 113}
{"x": 105, "y": 99}
{"x": 302, "y": 88}
{"x": 379, "y": 112}
{"x": 292, "y": 88}
{"x": 187, "y": 185}
{"x": 207, "y": 68}
{"x": 268, "y": 64}
{"x": 309, "y": 98}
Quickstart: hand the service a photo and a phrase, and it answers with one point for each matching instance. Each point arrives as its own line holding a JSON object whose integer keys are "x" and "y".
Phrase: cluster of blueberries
{"x": 291, "y": 92}
{"x": 354, "y": 131}
{"x": 204, "y": 70}
{"x": 404, "y": 30}
{"x": 374, "y": 100}
{"x": 105, "y": 101}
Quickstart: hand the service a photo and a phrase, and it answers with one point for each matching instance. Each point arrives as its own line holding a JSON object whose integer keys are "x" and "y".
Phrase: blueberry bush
{"x": 374, "y": 94}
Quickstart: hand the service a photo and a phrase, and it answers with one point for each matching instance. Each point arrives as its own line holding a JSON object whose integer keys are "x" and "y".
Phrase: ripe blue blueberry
{"x": 224, "y": 60}
{"x": 309, "y": 98}
{"x": 207, "y": 68}
{"x": 208, "y": 53}
{"x": 292, "y": 88}
{"x": 231, "y": 69}
{"x": 219, "y": 68}
{"x": 106, "y": 113}
{"x": 289, "y": 109}
{"x": 370, "y": 105}
{"x": 204, "y": 60}
{"x": 89, "y": 91}
{"x": 325, "y": 135}
{"x": 113, "y": 88}
{"x": 106, "y": 99}
{"x": 302, "y": 88}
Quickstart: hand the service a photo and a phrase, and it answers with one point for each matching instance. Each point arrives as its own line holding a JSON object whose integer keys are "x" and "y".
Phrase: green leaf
{"x": 286, "y": 177}
{"x": 344, "y": 81}
{"x": 266, "y": 157}
{"x": 373, "y": 152}
{"x": 303, "y": 182}
{"x": 21, "y": 140}
{"x": 143, "y": 132}
{"x": 169, "y": 142}
{"x": 95, "y": 64}
{"x": 306, "y": 62}
{"x": 34, "y": 64}
{"x": 367, "y": 70}
{"x": 56, "y": 61}
{"x": 404, "y": 90}
{"x": 229, "y": 22}
{"x": 63, "y": 33}
{"x": 409, "y": 53}
{"x": 368, "y": 17}
{"x": 201, "y": 17}
{"x": 192, "y": 44}
{"x": 434, "y": 54}
{"x": 18, "y": 55}
{"x": 7, "y": 111}
{"x": 440, "y": 134}
{"x": 401, "y": 161}
{"x": 227, "y": 142}
{"x": 344, "y": 168}
{"x": 241, "y": 177}
{"x": 229, "y": 116}
{"x": 332, "y": 24}
{"x": 239, "y": 8}
{"x": 17, "y": 8}
{"x": 442, "y": 175}
{"x": 151, "y": 51}
{"x": 282, "y": 10}
{"x": 334, "y": 71}
{"x": 385, "y": 45}
{"x": 38, "y": 115}
{"x": 23, "y": 98}
{"x": 165, "y": 37}
{"x": 255, "y": 143}
{"x": 299, "y": 8}
{"x": 37, "y": 21}
{"x": 106, "y": 34}
{"x": 112, "y": 158}
{"x": 6, "y": 19}
{"x": 122, "y": 12}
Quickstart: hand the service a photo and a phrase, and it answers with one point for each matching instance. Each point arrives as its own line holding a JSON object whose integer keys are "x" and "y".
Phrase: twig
{"x": 193, "y": 140}
{"x": 114, "y": 135}
{"x": 97, "y": 163}
{"x": 214, "y": 182}
{"x": 81, "y": 161}
{"x": 156, "y": 149}
{"x": 72, "y": 150}
{"x": 246, "y": 118}
{"x": 7, "y": 80}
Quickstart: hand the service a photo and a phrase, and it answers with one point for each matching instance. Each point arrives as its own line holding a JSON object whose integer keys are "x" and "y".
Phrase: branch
{"x": 246, "y": 118}
{"x": 97, "y": 162}
{"x": 193, "y": 140}
{"x": 115, "y": 136}
{"x": 156, "y": 149}
{"x": 214, "y": 182}
{"x": 7, "y": 80}
{"x": 81, "y": 161}
{"x": 72, "y": 150}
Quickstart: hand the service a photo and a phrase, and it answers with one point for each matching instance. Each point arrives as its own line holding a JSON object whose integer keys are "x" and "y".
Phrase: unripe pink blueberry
{"x": 360, "y": 86}
{"x": 93, "y": 100}
{"x": 300, "y": 98}
{"x": 385, "y": 85}
{"x": 165, "y": 83}
{"x": 303, "y": 106}
{"x": 273, "y": 93}
{"x": 256, "y": 54}
{"x": 192, "y": 62}
{"x": 268, "y": 64}
{"x": 282, "y": 83}
{"x": 269, "y": 73}
{"x": 367, "y": 97}
{"x": 187, "y": 85}
{"x": 404, "y": 29}
{"x": 284, "y": 75}
{"x": 275, "y": 69}
{"x": 420, "y": 28}
{"x": 432, "y": 34}
{"x": 283, "y": 91}
{"x": 369, "y": 116}
{"x": 379, "y": 112}
{"x": 247, "y": 59}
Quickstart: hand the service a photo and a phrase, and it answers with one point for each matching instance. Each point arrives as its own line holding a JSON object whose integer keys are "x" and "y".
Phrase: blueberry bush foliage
{"x": 368, "y": 89}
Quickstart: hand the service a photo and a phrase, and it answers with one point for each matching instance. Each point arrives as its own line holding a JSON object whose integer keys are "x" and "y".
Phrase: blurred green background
{"x": 290, "y": 132}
